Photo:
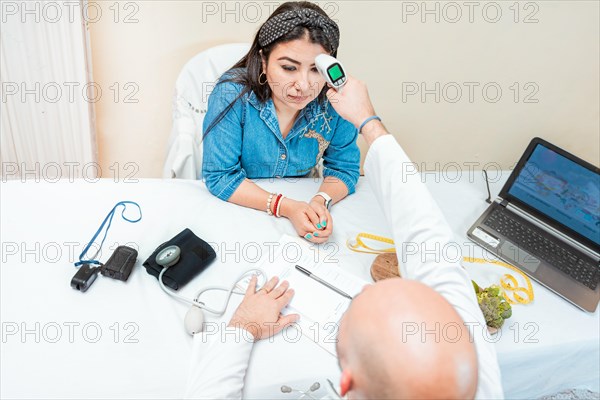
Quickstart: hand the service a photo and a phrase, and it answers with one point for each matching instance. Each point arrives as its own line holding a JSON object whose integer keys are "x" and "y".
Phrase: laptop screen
{"x": 562, "y": 190}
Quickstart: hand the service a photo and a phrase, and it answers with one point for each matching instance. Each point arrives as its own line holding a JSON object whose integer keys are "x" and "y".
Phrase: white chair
{"x": 195, "y": 82}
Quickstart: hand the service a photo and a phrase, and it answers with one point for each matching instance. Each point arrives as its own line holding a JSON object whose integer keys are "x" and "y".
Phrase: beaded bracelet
{"x": 269, "y": 212}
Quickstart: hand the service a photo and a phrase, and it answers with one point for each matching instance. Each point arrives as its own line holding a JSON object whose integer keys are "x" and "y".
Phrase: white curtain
{"x": 47, "y": 121}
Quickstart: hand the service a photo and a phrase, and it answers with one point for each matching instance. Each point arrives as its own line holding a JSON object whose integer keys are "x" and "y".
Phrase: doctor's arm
{"x": 220, "y": 358}
{"x": 418, "y": 225}
{"x": 416, "y": 221}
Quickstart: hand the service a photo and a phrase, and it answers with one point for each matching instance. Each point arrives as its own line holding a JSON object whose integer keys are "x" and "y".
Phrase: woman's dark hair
{"x": 247, "y": 71}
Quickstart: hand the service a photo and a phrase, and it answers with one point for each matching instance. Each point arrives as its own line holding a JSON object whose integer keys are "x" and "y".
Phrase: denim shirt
{"x": 247, "y": 142}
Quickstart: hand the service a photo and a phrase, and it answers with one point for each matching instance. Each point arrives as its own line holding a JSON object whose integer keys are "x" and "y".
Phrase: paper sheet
{"x": 320, "y": 308}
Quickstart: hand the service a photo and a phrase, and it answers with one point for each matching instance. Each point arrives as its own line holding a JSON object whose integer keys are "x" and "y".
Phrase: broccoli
{"x": 494, "y": 306}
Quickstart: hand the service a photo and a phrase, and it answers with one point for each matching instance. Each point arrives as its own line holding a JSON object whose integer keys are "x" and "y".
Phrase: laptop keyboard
{"x": 531, "y": 239}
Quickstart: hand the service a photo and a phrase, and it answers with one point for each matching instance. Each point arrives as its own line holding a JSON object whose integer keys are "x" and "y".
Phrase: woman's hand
{"x": 325, "y": 226}
{"x": 305, "y": 220}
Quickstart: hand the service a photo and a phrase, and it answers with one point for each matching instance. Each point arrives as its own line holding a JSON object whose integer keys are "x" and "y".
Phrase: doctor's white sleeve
{"x": 422, "y": 237}
{"x": 219, "y": 363}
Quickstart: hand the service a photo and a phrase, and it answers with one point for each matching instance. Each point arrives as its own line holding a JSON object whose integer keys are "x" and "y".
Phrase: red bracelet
{"x": 278, "y": 209}
{"x": 277, "y": 199}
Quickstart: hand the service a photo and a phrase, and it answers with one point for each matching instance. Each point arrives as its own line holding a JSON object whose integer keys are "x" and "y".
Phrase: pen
{"x": 321, "y": 281}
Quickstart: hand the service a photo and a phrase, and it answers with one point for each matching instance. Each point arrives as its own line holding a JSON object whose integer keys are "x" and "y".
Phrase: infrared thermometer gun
{"x": 332, "y": 71}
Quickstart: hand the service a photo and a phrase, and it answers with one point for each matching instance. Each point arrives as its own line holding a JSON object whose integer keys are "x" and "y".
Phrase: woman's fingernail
{"x": 308, "y": 236}
{"x": 319, "y": 225}
{"x": 324, "y": 224}
{"x": 316, "y": 234}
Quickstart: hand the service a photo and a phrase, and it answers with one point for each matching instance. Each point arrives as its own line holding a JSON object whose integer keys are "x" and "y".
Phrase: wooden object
{"x": 385, "y": 266}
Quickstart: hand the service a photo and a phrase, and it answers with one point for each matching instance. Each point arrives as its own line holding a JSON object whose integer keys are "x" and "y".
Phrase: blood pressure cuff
{"x": 195, "y": 256}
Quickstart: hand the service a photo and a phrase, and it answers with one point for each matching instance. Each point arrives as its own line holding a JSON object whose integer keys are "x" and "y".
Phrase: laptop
{"x": 546, "y": 222}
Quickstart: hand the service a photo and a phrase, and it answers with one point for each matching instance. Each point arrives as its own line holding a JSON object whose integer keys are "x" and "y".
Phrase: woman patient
{"x": 269, "y": 117}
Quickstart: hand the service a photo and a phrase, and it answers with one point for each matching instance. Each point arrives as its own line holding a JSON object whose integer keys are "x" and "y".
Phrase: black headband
{"x": 283, "y": 23}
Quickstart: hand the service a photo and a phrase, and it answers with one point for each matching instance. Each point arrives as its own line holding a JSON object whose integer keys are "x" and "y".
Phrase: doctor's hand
{"x": 305, "y": 220}
{"x": 260, "y": 311}
{"x": 354, "y": 105}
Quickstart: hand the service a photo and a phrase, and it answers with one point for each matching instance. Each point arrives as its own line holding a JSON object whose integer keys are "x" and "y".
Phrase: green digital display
{"x": 335, "y": 72}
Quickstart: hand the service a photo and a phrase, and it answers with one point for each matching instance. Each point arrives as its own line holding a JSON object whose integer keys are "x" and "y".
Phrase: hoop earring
{"x": 262, "y": 83}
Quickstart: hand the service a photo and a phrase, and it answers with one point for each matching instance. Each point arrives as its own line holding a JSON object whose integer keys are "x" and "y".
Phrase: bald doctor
{"x": 376, "y": 358}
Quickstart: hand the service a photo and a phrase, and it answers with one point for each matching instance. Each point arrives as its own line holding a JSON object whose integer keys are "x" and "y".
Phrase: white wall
{"x": 393, "y": 46}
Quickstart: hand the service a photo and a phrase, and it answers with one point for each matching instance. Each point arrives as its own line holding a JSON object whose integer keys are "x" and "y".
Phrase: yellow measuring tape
{"x": 510, "y": 284}
{"x": 357, "y": 244}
